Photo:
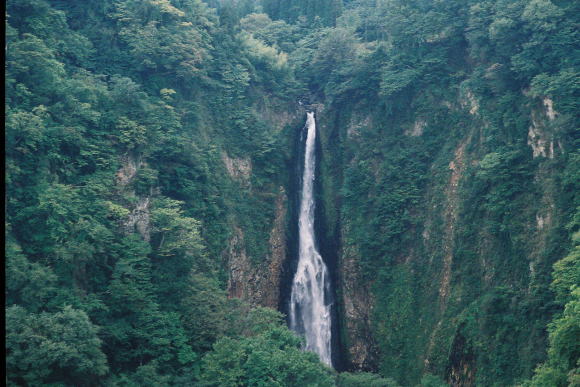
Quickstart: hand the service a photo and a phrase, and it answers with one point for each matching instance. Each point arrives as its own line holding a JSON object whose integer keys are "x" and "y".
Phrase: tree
{"x": 271, "y": 358}
{"x": 363, "y": 379}
{"x": 27, "y": 283}
{"x": 48, "y": 347}
{"x": 204, "y": 308}
{"x": 562, "y": 367}
{"x": 163, "y": 38}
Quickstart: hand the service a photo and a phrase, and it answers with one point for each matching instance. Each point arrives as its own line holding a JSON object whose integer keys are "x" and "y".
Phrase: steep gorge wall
{"x": 260, "y": 279}
{"x": 453, "y": 281}
{"x": 461, "y": 290}
{"x": 442, "y": 204}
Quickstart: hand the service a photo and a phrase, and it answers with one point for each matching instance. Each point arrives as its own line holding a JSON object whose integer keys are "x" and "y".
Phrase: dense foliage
{"x": 452, "y": 200}
{"x": 450, "y": 139}
{"x": 116, "y": 211}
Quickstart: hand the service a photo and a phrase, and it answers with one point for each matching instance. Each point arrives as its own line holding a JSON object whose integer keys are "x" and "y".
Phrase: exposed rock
{"x": 357, "y": 304}
{"x": 539, "y": 221}
{"x": 130, "y": 164}
{"x": 139, "y": 219}
{"x": 447, "y": 104}
{"x": 469, "y": 101}
{"x": 540, "y": 138}
{"x": 318, "y": 108}
{"x": 417, "y": 129}
{"x": 355, "y": 124}
{"x": 541, "y": 145}
{"x": 278, "y": 116}
{"x": 239, "y": 265}
{"x": 239, "y": 169}
{"x": 462, "y": 370}
{"x": 549, "y": 104}
{"x": 278, "y": 119}
{"x": 258, "y": 284}
{"x": 450, "y": 217}
{"x": 546, "y": 219}
{"x": 457, "y": 166}
{"x": 271, "y": 293}
{"x": 440, "y": 36}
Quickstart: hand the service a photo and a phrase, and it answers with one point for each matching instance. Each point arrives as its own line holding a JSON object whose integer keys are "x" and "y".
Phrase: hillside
{"x": 153, "y": 161}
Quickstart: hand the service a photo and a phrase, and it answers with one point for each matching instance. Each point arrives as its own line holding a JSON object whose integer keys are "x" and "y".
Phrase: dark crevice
{"x": 328, "y": 247}
{"x": 294, "y": 184}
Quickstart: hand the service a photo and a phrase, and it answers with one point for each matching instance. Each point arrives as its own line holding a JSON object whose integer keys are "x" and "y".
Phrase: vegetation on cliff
{"x": 141, "y": 135}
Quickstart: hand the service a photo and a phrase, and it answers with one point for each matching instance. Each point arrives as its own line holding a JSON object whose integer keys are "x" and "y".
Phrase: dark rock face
{"x": 138, "y": 218}
{"x": 259, "y": 284}
{"x": 462, "y": 364}
{"x": 448, "y": 272}
{"x": 450, "y": 254}
{"x": 357, "y": 304}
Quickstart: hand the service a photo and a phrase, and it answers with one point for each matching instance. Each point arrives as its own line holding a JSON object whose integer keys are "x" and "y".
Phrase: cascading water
{"x": 310, "y": 313}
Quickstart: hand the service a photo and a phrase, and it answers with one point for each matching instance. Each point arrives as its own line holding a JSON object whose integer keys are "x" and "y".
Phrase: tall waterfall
{"x": 310, "y": 298}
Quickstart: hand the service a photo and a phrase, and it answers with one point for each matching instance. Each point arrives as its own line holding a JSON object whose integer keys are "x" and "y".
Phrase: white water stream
{"x": 310, "y": 313}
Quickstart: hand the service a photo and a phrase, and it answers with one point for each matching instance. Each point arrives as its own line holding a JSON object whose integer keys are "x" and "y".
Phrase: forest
{"x": 150, "y": 174}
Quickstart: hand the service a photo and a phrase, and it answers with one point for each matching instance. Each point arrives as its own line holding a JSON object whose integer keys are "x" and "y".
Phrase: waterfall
{"x": 310, "y": 313}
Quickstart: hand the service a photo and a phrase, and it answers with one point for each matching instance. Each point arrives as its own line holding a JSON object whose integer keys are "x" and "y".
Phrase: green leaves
{"x": 25, "y": 131}
{"x": 179, "y": 99}
{"x": 564, "y": 87}
{"x": 561, "y": 367}
{"x": 236, "y": 80}
{"x": 27, "y": 283}
{"x": 393, "y": 81}
{"x": 48, "y": 346}
{"x": 162, "y": 37}
{"x": 259, "y": 53}
{"x": 131, "y": 134}
{"x": 363, "y": 379}
{"x": 177, "y": 234}
{"x": 205, "y": 309}
{"x": 30, "y": 61}
{"x": 76, "y": 114}
{"x": 567, "y": 274}
{"x": 270, "y": 358}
